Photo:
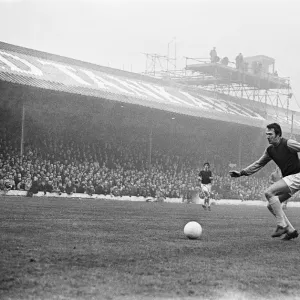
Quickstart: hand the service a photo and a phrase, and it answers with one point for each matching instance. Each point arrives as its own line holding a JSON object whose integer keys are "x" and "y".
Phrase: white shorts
{"x": 206, "y": 187}
{"x": 293, "y": 182}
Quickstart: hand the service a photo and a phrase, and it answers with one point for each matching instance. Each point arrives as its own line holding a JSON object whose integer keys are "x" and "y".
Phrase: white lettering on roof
{"x": 197, "y": 102}
{"x": 66, "y": 70}
{"x": 33, "y": 69}
{"x": 120, "y": 84}
{"x": 172, "y": 98}
{"x": 92, "y": 76}
{"x": 102, "y": 83}
{"x": 143, "y": 87}
{"x": 134, "y": 89}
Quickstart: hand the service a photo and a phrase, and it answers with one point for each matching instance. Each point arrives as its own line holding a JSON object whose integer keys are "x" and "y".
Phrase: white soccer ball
{"x": 192, "y": 230}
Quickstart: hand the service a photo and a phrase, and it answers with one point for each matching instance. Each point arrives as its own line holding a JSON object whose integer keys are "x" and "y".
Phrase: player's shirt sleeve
{"x": 256, "y": 166}
{"x": 293, "y": 145}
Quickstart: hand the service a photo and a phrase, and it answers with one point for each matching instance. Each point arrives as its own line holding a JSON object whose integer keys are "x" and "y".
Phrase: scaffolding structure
{"x": 162, "y": 66}
{"x": 159, "y": 66}
{"x": 257, "y": 80}
{"x": 258, "y": 85}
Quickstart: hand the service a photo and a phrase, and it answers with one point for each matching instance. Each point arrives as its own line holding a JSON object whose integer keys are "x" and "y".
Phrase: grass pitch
{"x": 54, "y": 248}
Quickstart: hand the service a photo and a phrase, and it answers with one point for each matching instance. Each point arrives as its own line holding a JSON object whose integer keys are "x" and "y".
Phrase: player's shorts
{"x": 206, "y": 187}
{"x": 293, "y": 182}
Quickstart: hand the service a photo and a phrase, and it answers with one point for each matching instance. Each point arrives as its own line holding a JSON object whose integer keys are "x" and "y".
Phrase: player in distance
{"x": 284, "y": 153}
{"x": 205, "y": 177}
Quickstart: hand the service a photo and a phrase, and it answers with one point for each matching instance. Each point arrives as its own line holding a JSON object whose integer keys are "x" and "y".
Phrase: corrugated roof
{"x": 48, "y": 71}
{"x": 79, "y": 63}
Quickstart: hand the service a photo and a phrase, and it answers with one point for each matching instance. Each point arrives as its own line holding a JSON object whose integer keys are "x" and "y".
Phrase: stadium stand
{"x": 116, "y": 164}
{"x": 95, "y": 130}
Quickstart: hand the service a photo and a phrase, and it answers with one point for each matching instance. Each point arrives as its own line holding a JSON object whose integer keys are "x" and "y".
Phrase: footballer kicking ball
{"x": 192, "y": 230}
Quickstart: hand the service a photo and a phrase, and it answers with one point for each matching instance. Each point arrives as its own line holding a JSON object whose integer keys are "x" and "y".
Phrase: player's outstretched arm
{"x": 234, "y": 173}
{"x": 253, "y": 168}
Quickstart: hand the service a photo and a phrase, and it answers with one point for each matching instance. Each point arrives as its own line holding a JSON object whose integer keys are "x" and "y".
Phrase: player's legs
{"x": 284, "y": 205}
{"x": 283, "y": 198}
{"x": 292, "y": 232}
{"x": 272, "y": 194}
{"x": 206, "y": 201}
{"x": 206, "y": 190}
{"x": 208, "y": 195}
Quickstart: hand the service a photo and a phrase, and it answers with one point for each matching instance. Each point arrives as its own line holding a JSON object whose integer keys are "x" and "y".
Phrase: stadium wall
{"x": 8, "y": 194}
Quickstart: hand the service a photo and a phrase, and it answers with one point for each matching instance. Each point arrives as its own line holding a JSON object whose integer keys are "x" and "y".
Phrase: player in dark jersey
{"x": 284, "y": 153}
{"x": 205, "y": 177}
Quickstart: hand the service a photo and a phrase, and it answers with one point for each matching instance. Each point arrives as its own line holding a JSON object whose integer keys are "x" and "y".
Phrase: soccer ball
{"x": 192, "y": 230}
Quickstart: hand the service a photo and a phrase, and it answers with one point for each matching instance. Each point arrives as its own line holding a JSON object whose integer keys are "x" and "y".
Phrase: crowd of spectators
{"x": 60, "y": 165}
{"x": 118, "y": 164}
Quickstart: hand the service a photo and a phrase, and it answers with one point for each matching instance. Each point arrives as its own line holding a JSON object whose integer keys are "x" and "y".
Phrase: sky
{"x": 116, "y": 33}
